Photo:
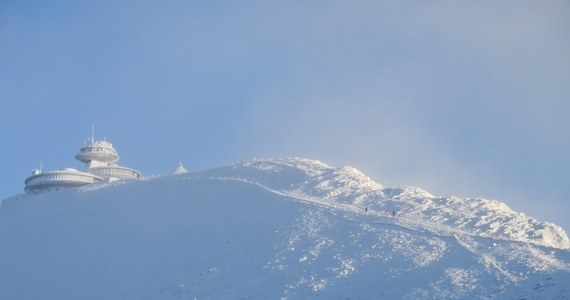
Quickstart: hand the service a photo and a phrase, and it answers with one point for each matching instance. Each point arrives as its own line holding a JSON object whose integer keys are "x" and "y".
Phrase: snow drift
{"x": 273, "y": 229}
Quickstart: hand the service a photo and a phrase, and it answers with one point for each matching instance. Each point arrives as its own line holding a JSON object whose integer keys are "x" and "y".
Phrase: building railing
{"x": 119, "y": 172}
{"x": 98, "y": 149}
{"x": 60, "y": 177}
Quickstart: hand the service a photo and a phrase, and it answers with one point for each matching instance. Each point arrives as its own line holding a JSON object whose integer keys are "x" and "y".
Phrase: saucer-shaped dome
{"x": 101, "y": 151}
{"x": 115, "y": 172}
{"x": 58, "y": 179}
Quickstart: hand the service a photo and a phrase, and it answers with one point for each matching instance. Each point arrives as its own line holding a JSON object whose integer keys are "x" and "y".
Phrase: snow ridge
{"x": 311, "y": 179}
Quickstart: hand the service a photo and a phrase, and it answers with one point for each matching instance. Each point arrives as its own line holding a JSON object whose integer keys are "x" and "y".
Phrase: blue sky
{"x": 459, "y": 98}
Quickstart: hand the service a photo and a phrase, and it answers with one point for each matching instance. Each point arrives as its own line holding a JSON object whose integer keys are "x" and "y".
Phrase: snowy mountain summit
{"x": 274, "y": 229}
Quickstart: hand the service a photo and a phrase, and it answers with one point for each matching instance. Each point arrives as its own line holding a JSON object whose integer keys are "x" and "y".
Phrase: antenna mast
{"x": 93, "y": 133}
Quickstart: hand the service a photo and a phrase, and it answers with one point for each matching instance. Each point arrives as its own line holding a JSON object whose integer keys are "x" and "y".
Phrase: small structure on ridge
{"x": 179, "y": 170}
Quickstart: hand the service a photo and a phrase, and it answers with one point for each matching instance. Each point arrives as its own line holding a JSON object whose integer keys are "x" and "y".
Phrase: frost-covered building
{"x": 100, "y": 164}
{"x": 100, "y": 159}
{"x": 179, "y": 170}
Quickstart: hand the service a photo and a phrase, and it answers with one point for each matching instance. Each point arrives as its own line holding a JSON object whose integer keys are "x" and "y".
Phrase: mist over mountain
{"x": 274, "y": 229}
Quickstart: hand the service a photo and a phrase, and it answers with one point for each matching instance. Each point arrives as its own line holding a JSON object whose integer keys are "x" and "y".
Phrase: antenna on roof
{"x": 41, "y": 165}
{"x": 93, "y": 133}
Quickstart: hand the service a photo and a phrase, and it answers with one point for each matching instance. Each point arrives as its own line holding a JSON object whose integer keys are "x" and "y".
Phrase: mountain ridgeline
{"x": 274, "y": 229}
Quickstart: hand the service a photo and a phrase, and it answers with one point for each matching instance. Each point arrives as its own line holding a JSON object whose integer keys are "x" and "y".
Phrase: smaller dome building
{"x": 179, "y": 170}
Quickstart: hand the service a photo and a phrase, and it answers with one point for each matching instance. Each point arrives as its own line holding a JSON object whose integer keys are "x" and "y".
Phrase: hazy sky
{"x": 467, "y": 98}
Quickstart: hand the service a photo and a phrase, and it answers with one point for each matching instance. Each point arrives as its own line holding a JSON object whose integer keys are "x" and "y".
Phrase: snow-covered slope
{"x": 318, "y": 182}
{"x": 274, "y": 229}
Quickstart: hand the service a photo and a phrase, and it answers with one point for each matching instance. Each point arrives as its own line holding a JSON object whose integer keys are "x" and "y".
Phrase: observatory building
{"x": 100, "y": 158}
{"x": 100, "y": 164}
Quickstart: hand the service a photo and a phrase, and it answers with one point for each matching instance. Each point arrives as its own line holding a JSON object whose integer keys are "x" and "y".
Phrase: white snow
{"x": 274, "y": 229}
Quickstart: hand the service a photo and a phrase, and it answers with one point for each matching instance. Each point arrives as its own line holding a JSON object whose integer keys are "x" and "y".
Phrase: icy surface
{"x": 274, "y": 229}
